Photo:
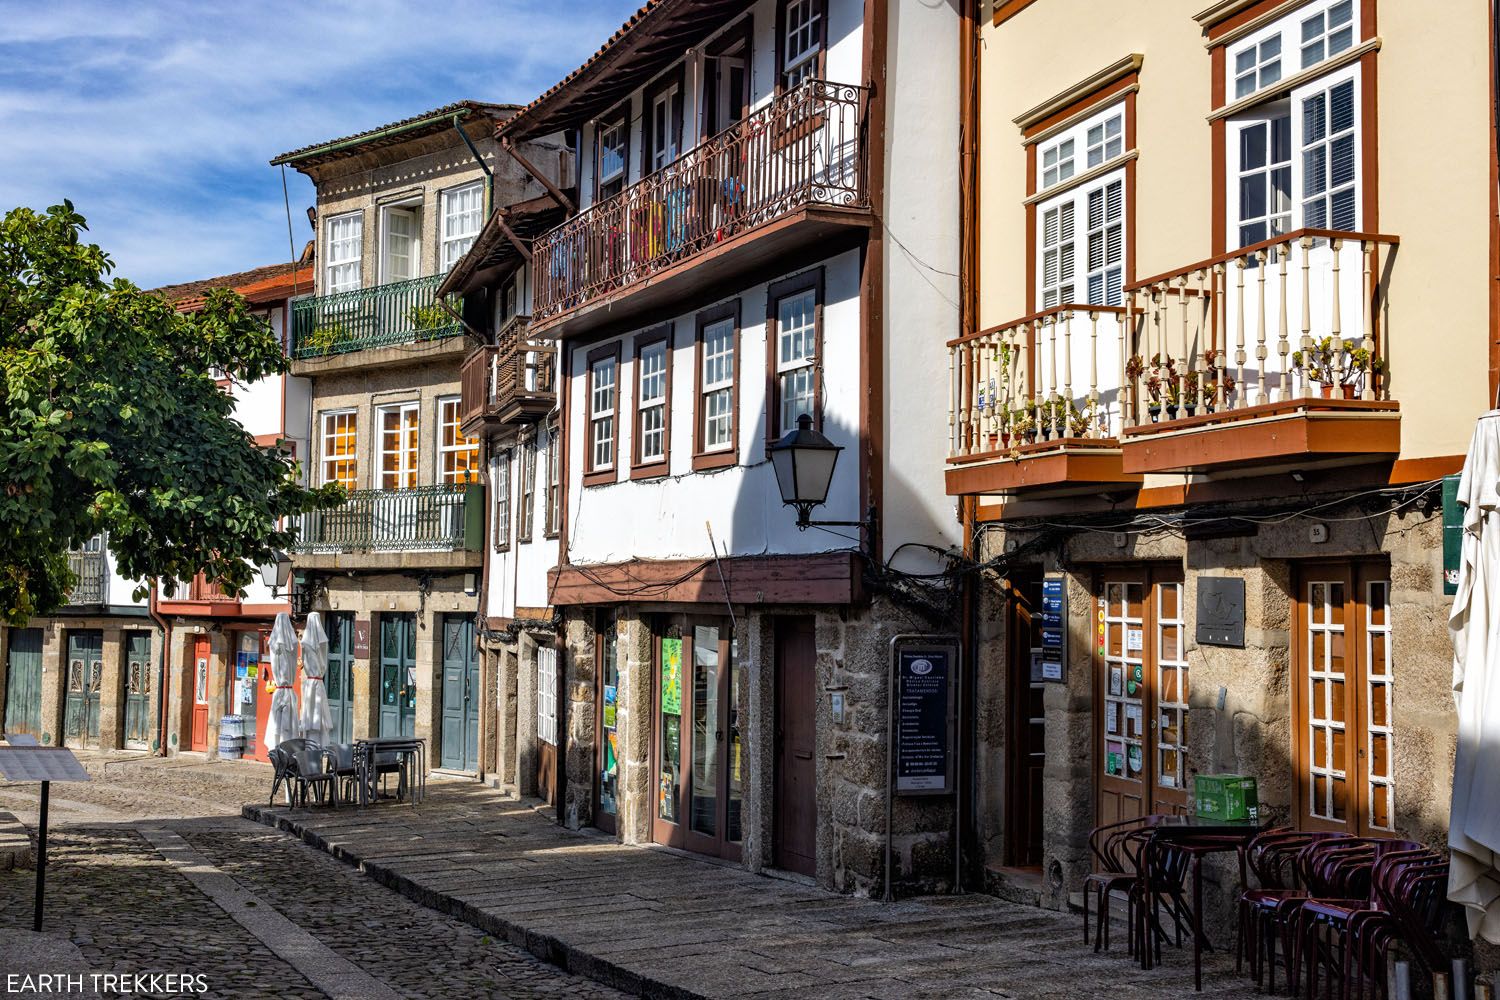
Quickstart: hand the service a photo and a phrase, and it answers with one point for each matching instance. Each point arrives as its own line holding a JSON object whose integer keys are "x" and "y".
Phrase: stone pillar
{"x": 526, "y": 783}
{"x": 54, "y": 679}
{"x": 633, "y": 723}
{"x": 506, "y": 672}
{"x": 429, "y": 707}
{"x": 1067, "y": 778}
{"x": 112, "y": 691}
{"x": 991, "y": 722}
{"x": 577, "y": 683}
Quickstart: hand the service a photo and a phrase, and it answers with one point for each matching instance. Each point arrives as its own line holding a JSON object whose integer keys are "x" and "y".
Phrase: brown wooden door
{"x": 1140, "y": 634}
{"x": 796, "y": 743}
{"x": 698, "y": 697}
{"x": 1341, "y": 699}
{"x": 1027, "y": 743}
{"x": 198, "y": 731}
{"x": 547, "y": 730}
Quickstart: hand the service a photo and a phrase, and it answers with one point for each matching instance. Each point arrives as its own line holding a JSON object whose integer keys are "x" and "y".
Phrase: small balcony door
{"x": 726, "y": 85}
{"x": 401, "y": 249}
{"x": 664, "y": 134}
{"x": 395, "y": 515}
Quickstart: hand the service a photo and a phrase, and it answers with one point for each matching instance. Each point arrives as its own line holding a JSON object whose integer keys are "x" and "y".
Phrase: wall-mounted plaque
{"x": 1221, "y": 611}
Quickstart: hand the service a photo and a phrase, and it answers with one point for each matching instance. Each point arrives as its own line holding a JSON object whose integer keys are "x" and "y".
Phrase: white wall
{"x": 518, "y": 575}
{"x": 921, "y": 211}
{"x": 664, "y": 518}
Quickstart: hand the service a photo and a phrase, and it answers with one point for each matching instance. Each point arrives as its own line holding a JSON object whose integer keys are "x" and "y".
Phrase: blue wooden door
{"x": 138, "y": 690}
{"x": 340, "y": 677}
{"x": 84, "y": 678}
{"x": 460, "y": 735}
{"x": 23, "y": 686}
{"x": 398, "y": 675}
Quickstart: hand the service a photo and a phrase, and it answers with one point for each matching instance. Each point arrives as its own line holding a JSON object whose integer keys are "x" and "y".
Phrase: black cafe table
{"x": 410, "y": 751}
{"x": 1195, "y": 837}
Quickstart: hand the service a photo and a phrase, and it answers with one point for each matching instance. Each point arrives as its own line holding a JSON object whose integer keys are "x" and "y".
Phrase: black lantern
{"x": 274, "y": 573}
{"x": 804, "y": 461}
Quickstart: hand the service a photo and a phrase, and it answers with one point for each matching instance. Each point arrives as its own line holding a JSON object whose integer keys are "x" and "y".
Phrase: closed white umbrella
{"x": 316, "y": 719}
{"x": 283, "y": 723}
{"x": 1474, "y": 818}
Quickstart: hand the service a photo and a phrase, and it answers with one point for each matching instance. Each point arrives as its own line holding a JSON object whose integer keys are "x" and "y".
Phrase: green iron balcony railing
{"x": 401, "y": 312}
{"x": 433, "y": 518}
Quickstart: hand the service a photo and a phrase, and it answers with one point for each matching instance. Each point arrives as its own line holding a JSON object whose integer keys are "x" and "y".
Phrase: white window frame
{"x": 790, "y": 364}
{"x": 1075, "y": 201}
{"x": 718, "y": 384}
{"x": 1106, "y": 136}
{"x": 664, "y": 118}
{"x": 502, "y": 501}
{"x": 651, "y": 410}
{"x": 619, "y": 123}
{"x": 343, "y": 269}
{"x": 794, "y": 69}
{"x": 413, "y": 210}
{"x": 602, "y": 413}
{"x": 1276, "y": 221}
{"x": 445, "y": 475}
{"x": 453, "y": 244}
{"x": 1287, "y": 30}
{"x": 526, "y": 514}
{"x": 1293, "y": 107}
{"x": 553, "y": 520}
{"x": 546, "y": 695}
{"x": 1330, "y": 39}
{"x": 1057, "y": 161}
{"x": 408, "y": 458}
{"x": 325, "y": 438}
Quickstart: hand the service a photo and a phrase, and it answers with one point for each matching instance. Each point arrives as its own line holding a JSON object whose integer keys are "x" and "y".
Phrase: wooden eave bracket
{"x": 510, "y": 234}
{"x": 563, "y": 201}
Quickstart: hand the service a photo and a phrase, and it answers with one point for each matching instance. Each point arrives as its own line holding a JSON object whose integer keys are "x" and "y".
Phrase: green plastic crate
{"x": 1229, "y": 797}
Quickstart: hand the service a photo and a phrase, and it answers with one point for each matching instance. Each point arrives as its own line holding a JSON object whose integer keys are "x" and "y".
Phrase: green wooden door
{"x": 460, "y": 736}
{"x": 340, "y": 677}
{"x": 23, "y": 688}
{"x": 398, "y": 675}
{"x": 138, "y": 690}
{"x": 84, "y": 678}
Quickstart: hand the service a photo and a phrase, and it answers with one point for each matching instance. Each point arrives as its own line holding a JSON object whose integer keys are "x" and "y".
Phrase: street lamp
{"x": 274, "y": 573}
{"x": 804, "y": 461}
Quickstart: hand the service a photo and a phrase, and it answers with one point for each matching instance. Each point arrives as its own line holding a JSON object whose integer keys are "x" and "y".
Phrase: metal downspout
{"x": 489, "y": 174}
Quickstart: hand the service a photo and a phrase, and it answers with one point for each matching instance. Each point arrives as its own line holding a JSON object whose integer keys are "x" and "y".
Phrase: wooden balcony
{"x": 787, "y": 176}
{"x": 1270, "y": 356}
{"x": 1029, "y": 413}
{"x": 509, "y": 383}
{"x": 392, "y": 316}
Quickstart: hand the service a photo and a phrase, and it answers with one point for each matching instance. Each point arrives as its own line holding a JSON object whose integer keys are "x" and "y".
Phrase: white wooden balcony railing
{"x": 1297, "y": 317}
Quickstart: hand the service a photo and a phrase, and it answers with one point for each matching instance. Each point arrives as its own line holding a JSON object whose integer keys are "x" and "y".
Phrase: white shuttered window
{"x": 1086, "y": 222}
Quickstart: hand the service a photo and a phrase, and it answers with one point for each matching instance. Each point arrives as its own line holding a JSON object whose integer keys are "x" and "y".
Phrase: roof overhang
{"x": 495, "y": 255}
{"x": 653, "y": 38}
{"x": 425, "y": 124}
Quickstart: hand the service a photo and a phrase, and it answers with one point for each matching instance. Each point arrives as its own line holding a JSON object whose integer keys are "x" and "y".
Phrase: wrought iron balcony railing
{"x": 512, "y": 381}
{"x": 92, "y": 574}
{"x": 400, "y": 312}
{"x": 433, "y": 518}
{"x": 807, "y": 147}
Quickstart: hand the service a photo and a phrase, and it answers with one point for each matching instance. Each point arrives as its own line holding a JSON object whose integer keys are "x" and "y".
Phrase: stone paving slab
{"x": 663, "y": 924}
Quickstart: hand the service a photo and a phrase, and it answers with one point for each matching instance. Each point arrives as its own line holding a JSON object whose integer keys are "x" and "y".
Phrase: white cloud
{"x": 158, "y": 119}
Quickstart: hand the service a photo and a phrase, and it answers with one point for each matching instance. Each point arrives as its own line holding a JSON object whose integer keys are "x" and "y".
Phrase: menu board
{"x": 1052, "y": 626}
{"x": 924, "y": 719}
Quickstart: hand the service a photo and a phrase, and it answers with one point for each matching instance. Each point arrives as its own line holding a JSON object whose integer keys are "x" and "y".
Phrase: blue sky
{"x": 157, "y": 119}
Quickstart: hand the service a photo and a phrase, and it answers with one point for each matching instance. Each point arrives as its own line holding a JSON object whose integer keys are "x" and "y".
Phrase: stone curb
{"x": 17, "y": 848}
{"x": 546, "y": 947}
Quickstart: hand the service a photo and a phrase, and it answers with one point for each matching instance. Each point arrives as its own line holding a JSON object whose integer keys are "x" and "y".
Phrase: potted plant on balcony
{"x": 1023, "y": 423}
{"x": 425, "y": 319}
{"x": 1359, "y": 364}
{"x": 1190, "y": 393}
{"x": 325, "y": 336}
{"x": 1080, "y": 420}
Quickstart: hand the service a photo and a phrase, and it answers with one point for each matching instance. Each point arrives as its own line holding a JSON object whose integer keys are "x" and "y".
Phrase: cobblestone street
{"x": 129, "y": 909}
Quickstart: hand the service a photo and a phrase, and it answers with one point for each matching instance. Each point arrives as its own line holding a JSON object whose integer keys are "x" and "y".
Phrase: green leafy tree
{"x": 111, "y": 420}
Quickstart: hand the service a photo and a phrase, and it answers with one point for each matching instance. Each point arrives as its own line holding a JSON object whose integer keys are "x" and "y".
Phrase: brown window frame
{"x": 526, "y": 520}
{"x": 552, "y": 522}
{"x": 820, "y": 71}
{"x": 592, "y": 474}
{"x": 503, "y": 504}
{"x": 619, "y": 116}
{"x": 640, "y": 468}
{"x": 673, "y": 77}
{"x": 725, "y": 457}
{"x": 775, "y": 292}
